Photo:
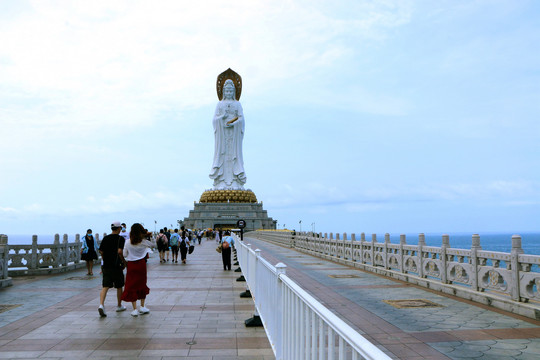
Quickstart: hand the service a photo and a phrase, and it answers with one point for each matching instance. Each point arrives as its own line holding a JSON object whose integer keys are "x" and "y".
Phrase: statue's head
{"x": 229, "y": 92}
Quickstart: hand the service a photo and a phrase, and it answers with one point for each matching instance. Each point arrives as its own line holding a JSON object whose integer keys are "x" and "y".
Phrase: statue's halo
{"x": 224, "y": 76}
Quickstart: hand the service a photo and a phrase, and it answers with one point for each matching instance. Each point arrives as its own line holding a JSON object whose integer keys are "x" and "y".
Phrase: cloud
{"x": 316, "y": 195}
{"x": 96, "y": 64}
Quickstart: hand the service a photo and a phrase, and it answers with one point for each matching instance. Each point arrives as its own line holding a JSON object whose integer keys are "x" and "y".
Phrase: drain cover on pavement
{"x": 8, "y": 307}
{"x": 79, "y": 278}
{"x": 344, "y": 276}
{"x": 411, "y": 303}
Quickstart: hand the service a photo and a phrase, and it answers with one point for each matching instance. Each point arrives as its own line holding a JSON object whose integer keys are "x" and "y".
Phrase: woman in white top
{"x": 136, "y": 252}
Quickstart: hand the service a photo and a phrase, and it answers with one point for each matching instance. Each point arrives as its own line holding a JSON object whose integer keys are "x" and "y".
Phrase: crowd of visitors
{"x": 122, "y": 249}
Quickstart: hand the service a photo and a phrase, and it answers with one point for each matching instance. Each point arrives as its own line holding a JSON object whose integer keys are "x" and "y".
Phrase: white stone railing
{"x": 297, "y": 325}
{"x": 509, "y": 281}
{"x": 5, "y": 280}
{"x": 40, "y": 259}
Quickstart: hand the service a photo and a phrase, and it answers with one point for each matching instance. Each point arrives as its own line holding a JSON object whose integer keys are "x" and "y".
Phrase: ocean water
{"x": 530, "y": 242}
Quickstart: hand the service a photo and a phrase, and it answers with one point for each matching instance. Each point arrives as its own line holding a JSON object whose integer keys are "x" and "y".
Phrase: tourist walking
{"x": 168, "y": 235}
{"x": 111, "y": 250}
{"x": 184, "y": 244}
{"x": 199, "y": 236}
{"x": 136, "y": 253}
{"x": 175, "y": 239}
{"x": 226, "y": 244}
{"x": 88, "y": 251}
{"x": 162, "y": 245}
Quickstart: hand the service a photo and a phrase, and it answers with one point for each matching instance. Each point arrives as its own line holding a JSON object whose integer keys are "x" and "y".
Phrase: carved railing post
{"x": 386, "y": 242}
{"x": 362, "y": 241}
{"x": 338, "y": 243}
{"x": 444, "y": 260}
{"x": 56, "y": 251}
{"x": 353, "y": 241}
{"x": 474, "y": 260}
{"x": 514, "y": 259}
{"x": 65, "y": 249}
{"x": 373, "y": 242}
{"x": 402, "y": 242}
{"x": 34, "y": 254}
{"x": 5, "y": 256}
{"x": 77, "y": 248}
{"x": 343, "y": 245}
{"x": 421, "y": 244}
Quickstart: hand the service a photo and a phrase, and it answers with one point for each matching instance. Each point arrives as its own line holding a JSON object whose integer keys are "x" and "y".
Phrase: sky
{"x": 360, "y": 116}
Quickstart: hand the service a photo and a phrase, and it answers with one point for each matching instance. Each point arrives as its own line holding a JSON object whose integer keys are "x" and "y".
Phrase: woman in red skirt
{"x": 136, "y": 252}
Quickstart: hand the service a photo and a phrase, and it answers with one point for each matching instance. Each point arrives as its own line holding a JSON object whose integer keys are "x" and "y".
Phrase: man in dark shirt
{"x": 111, "y": 250}
{"x": 168, "y": 235}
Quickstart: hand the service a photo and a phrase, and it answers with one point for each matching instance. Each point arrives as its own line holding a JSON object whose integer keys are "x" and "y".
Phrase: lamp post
{"x": 300, "y": 223}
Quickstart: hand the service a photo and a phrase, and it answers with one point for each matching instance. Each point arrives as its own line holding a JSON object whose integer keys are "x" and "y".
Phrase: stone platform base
{"x": 225, "y": 216}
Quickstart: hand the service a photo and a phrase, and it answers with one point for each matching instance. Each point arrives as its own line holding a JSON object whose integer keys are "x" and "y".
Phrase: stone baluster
{"x": 373, "y": 242}
{"x": 336, "y": 254}
{"x": 56, "y": 251}
{"x": 353, "y": 240}
{"x": 34, "y": 254}
{"x": 445, "y": 245}
{"x": 515, "y": 266}
{"x": 343, "y": 244}
{"x": 420, "y": 254}
{"x": 77, "y": 248}
{"x": 474, "y": 260}
{"x": 402, "y": 242}
{"x": 386, "y": 242}
{"x": 65, "y": 249}
{"x": 330, "y": 244}
{"x": 5, "y": 256}
{"x": 362, "y": 241}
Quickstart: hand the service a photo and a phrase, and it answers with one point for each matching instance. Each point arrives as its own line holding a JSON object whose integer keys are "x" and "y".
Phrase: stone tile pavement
{"x": 195, "y": 313}
{"x": 450, "y": 329}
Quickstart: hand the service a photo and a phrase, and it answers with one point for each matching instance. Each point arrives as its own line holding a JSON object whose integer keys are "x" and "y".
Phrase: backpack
{"x": 162, "y": 239}
{"x": 225, "y": 244}
{"x": 174, "y": 239}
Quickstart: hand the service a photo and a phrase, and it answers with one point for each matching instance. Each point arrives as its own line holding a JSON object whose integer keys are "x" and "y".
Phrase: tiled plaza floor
{"x": 456, "y": 329}
{"x": 195, "y": 313}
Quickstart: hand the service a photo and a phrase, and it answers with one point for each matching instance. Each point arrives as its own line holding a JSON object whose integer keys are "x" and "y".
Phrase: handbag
{"x": 218, "y": 249}
{"x": 191, "y": 248}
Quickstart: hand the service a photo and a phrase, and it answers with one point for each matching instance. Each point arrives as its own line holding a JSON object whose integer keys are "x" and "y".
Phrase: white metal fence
{"x": 297, "y": 325}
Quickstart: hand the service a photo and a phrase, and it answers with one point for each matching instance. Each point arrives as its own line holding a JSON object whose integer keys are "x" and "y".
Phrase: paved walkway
{"x": 195, "y": 313}
{"x": 455, "y": 329}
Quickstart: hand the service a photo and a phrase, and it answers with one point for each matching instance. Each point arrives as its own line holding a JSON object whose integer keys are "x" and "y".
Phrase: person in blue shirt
{"x": 174, "y": 241}
{"x": 227, "y": 242}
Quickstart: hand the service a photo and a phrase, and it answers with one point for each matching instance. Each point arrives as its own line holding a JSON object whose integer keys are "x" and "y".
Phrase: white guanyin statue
{"x": 228, "y": 166}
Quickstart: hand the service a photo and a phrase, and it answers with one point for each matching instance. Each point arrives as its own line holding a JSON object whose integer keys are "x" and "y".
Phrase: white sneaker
{"x": 120, "y": 308}
{"x": 143, "y": 310}
{"x": 101, "y": 311}
{"x": 135, "y": 313}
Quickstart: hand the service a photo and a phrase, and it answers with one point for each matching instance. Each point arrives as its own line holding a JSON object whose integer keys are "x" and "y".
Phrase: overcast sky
{"x": 361, "y": 116}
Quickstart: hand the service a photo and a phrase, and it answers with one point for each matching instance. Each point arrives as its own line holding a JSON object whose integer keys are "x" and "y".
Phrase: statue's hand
{"x": 230, "y": 122}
